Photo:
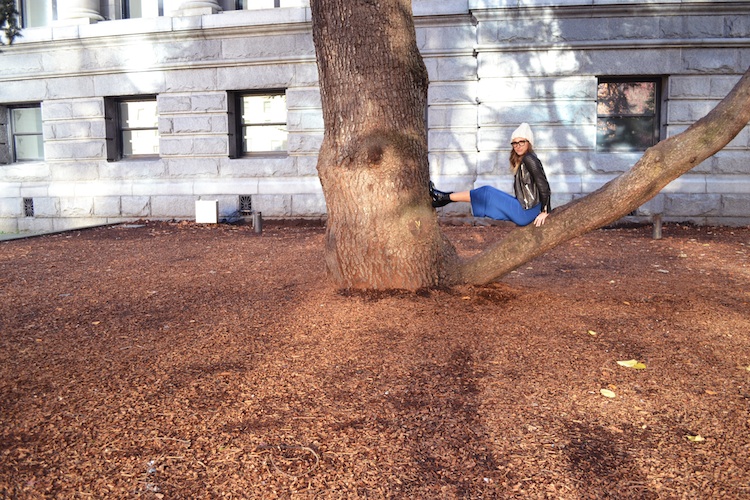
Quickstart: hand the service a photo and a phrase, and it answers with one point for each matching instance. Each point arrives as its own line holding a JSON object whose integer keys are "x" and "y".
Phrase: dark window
{"x": 132, "y": 128}
{"x": 258, "y": 124}
{"x": 627, "y": 114}
{"x": 27, "y": 142}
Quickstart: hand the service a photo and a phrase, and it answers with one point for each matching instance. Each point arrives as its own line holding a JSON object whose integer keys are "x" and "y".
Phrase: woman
{"x": 532, "y": 200}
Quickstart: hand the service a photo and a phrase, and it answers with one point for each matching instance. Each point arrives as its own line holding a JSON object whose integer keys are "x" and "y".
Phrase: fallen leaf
{"x": 711, "y": 393}
{"x": 632, "y": 363}
{"x": 607, "y": 393}
{"x": 696, "y": 439}
{"x": 592, "y": 333}
{"x": 95, "y": 322}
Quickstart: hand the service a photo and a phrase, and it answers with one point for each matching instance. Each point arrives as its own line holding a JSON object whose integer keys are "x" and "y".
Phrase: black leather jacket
{"x": 523, "y": 183}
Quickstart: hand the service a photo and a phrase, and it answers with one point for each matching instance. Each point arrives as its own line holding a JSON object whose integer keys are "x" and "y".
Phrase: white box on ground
{"x": 207, "y": 211}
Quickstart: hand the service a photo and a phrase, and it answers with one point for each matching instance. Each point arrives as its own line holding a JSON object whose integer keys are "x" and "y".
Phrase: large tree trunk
{"x": 659, "y": 166}
{"x": 382, "y": 232}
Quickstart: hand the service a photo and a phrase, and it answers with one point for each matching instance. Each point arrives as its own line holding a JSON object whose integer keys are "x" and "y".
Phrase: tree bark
{"x": 382, "y": 232}
{"x": 660, "y": 165}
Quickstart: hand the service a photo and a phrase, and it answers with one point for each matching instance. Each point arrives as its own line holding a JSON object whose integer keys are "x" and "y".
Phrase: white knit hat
{"x": 523, "y": 132}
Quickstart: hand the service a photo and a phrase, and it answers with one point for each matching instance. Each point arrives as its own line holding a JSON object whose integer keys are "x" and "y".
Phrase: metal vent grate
{"x": 246, "y": 204}
{"x": 28, "y": 207}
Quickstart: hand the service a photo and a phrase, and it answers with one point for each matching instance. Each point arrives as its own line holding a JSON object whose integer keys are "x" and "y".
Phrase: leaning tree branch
{"x": 659, "y": 165}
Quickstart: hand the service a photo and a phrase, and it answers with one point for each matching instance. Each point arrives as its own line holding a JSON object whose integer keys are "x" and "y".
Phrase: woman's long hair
{"x": 515, "y": 158}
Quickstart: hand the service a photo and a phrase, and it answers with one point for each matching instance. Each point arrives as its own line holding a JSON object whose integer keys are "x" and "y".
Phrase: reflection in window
{"x": 132, "y": 9}
{"x": 139, "y": 128}
{"x": 627, "y": 115}
{"x": 263, "y": 122}
{"x": 35, "y": 13}
{"x": 26, "y": 131}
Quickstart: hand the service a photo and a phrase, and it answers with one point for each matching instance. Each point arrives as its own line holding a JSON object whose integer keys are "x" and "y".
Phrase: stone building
{"x": 117, "y": 110}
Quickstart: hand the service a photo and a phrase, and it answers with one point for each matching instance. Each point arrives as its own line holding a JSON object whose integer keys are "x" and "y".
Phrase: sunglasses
{"x": 518, "y": 143}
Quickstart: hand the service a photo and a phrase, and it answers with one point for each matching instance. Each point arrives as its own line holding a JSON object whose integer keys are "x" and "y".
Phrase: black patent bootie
{"x": 439, "y": 198}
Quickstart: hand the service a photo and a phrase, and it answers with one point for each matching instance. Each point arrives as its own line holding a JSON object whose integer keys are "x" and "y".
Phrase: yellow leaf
{"x": 95, "y": 322}
{"x": 607, "y": 393}
{"x": 711, "y": 393}
{"x": 592, "y": 333}
{"x": 632, "y": 363}
{"x": 696, "y": 439}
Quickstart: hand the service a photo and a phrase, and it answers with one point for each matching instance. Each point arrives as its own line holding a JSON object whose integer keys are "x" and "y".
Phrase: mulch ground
{"x": 174, "y": 360}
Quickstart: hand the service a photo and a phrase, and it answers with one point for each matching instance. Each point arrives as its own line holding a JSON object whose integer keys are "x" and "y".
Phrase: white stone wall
{"x": 492, "y": 65}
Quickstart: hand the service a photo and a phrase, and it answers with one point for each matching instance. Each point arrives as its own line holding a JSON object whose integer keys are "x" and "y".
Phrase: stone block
{"x": 304, "y": 143}
{"x": 11, "y": 207}
{"x": 24, "y": 172}
{"x": 728, "y": 184}
{"x": 308, "y": 205}
{"x": 461, "y": 68}
{"x": 186, "y": 80}
{"x": 47, "y": 207}
{"x": 74, "y": 171}
{"x": 176, "y": 188}
{"x": 303, "y": 99}
{"x": 70, "y": 87}
{"x": 193, "y": 167}
{"x": 215, "y": 145}
{"x": 135, "y": 206}
{"x": 34, "y": 189}
{"x": 445, "y": 38}
{"x": 305, "y": 120}
{"x": 216, "y": 187}
{"x": 735, "y": 205}
{"x": 190, "y": 124}
{"x": 298, "y": 185}
{"x": 689, "y": 111}
{"x": 80, "y": 206}
{"x": 454, "y": 140}
{"x": 36, "y": 225}
{"x": 305, "y": 74}
{"x": 259, "y": 167}
{"x": 89, "y": 129}
{"x": 731, "y": 162}
{"x": 107, "y": 206}
{"x": 262, "y": 76}
{"x": 306, "y": 165}
{"x": 446, "y": 116}
{"x": 710, "y": 60}
{"x": 173, "y": 207}
{"x": 215, "y": 101}
{"x": 10, "y": 190}
{"x": 500, "y": 89}
{"x": 273, "y": 205}
{"x": 171, "y": 103}
{"x": 176, "y": 146}
{"x": 688, "y": 86}
{"x": 692, "y": 205}
{"x": 453, "y": 93}
{"x": 132, "y": 169}
{"x": 7, "y": 224}
{"x": 75, "y": 150}
{"x": 453, "y": 164}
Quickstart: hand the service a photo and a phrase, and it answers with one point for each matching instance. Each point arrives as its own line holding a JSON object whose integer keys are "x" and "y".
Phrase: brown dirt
{"x": 181, "y": 361}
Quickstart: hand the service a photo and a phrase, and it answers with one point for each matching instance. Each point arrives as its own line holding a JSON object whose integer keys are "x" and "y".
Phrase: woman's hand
{"x": 540, "y": 218}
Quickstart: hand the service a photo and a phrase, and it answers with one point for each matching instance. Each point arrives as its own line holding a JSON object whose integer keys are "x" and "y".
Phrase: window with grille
{"x": 258, "y": 124}
{"x": 627, "y": 116}
{"x": 132, "y": 128}
{"x": 27, "y": 143}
